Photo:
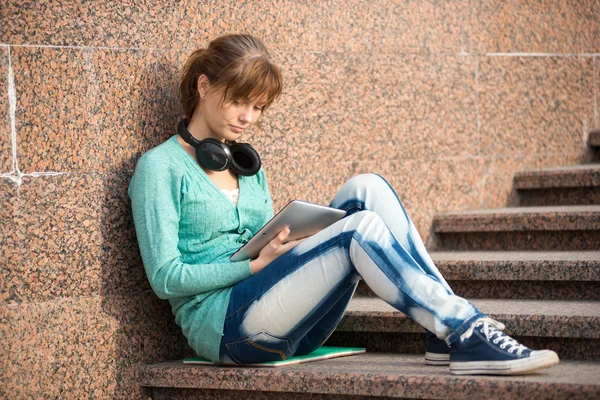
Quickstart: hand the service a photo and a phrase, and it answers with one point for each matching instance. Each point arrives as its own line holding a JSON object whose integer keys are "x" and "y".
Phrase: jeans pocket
{"x": 260, "y": 347}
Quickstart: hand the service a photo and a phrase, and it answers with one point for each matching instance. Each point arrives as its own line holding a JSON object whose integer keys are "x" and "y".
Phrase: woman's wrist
{"x": 256, "y": 265}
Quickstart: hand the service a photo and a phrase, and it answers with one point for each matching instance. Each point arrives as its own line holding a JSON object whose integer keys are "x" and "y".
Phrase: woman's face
{"x": 228, "y": 120}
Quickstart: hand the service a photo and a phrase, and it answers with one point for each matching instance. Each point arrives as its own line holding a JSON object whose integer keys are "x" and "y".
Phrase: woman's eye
{"x": 258, "y": 108}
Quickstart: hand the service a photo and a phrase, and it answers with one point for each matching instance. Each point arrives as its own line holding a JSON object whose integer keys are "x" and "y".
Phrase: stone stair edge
{"x": 377, "y": 374}
{"x": 566, "y": 319}
{"x": 527, "y": 210}
{"x": 572, "y": 176}
{"x": 519, "y": 265}
{"x": 558, "y": 169}
{"x": 571, "y": 308}
{"x": 547, "y": 218}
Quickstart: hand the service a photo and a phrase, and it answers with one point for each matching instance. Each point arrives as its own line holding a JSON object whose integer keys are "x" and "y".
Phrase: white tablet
{"x": 304, "y": 219}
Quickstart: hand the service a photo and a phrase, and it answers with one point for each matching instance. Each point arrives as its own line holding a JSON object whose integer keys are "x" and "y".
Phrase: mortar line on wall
{"x": 462, "y": 158}
{"x": 596, "y": 87}
{"x": 92, "y": 91}
{"x": 487, "y": 172}
{"x": 461, "y": 53}
{"x": 50, "y": 46}
{"x": 14, "y": 174}
{"x": 509, "y": 155}
{"x": 542, "y": 54}
{"x": 34, "y": 174}
{"x": 457, "y": 54}
{"x": 462, "y": 36}
{"x": 477, "y": 106}
{"x": 481, "y": 189}
{"x": 63, "y": 299}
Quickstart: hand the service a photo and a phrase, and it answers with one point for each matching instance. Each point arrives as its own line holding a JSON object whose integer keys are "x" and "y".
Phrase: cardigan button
{"x": 244, "y": 236}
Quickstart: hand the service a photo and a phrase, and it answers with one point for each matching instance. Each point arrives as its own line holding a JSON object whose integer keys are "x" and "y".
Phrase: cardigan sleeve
{"x": 155, "y": 192}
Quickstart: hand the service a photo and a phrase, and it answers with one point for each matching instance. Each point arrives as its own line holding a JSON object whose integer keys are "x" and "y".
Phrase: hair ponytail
{"x": 189, "y": 82}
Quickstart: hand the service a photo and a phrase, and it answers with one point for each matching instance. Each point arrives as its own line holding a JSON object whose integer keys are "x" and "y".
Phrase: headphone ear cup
{"x": 244, "y": 159}
{"x": 213, "y": 154}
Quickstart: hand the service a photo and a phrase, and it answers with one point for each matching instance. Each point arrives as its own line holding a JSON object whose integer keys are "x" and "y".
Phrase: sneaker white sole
{"x": 437, "y": 359}
{"x": 539, "y": 360}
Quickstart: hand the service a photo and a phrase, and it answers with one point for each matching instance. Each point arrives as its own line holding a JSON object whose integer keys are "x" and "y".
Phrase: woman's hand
{"x": 273, "y": 249}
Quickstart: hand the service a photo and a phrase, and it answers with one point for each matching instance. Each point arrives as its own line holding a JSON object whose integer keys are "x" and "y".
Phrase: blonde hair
{"x": 239, "y": 64}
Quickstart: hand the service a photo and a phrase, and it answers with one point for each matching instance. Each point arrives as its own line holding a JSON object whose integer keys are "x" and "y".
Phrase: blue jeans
{"x": 295, "y": 303}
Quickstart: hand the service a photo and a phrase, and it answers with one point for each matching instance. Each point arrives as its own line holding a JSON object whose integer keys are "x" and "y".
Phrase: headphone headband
{"x": 186, "y": 135}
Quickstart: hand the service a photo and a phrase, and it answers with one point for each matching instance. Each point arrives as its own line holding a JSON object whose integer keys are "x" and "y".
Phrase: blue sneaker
{"x": 484, "y": 349}
{"x": 438, "y": 352}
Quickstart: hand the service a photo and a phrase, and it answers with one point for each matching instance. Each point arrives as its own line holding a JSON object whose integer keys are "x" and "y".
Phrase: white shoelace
{"x": 491, "y": 328}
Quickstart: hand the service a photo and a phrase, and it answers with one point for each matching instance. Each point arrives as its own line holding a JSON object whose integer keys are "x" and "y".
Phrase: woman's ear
{"x": 203, "y": 85}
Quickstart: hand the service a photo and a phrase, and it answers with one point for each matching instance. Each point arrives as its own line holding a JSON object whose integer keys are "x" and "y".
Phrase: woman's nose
{"x": 246, "y": 115}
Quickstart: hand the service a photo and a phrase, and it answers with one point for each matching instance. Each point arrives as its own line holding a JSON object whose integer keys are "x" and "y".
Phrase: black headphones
{"x": 215, "y": 155}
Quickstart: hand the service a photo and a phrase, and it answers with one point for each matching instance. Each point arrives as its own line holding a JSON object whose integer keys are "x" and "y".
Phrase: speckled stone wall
{"x": 445, "y": 99}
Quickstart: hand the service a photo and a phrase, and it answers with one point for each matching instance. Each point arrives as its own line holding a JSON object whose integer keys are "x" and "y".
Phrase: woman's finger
{"x": 293, "y": 243}
{"x": 282, "y": 235}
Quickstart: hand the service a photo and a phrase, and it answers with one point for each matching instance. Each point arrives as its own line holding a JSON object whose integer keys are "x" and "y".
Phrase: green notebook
{"x": 322, "y": 353}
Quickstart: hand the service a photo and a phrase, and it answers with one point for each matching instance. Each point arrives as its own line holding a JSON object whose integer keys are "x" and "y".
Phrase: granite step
{"x": 518, "y": 228}
{"x": 571, "y": 185}
{"x": 537, "y": 275}
{"x": 370, "y": 375}
{"x": 570, "y": 327}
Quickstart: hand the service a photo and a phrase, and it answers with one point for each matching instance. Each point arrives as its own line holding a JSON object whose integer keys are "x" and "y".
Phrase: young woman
{"x": 192, "y": 211}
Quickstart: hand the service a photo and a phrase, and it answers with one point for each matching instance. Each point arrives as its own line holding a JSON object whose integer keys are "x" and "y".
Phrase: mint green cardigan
{"x": 187, "y": 229}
